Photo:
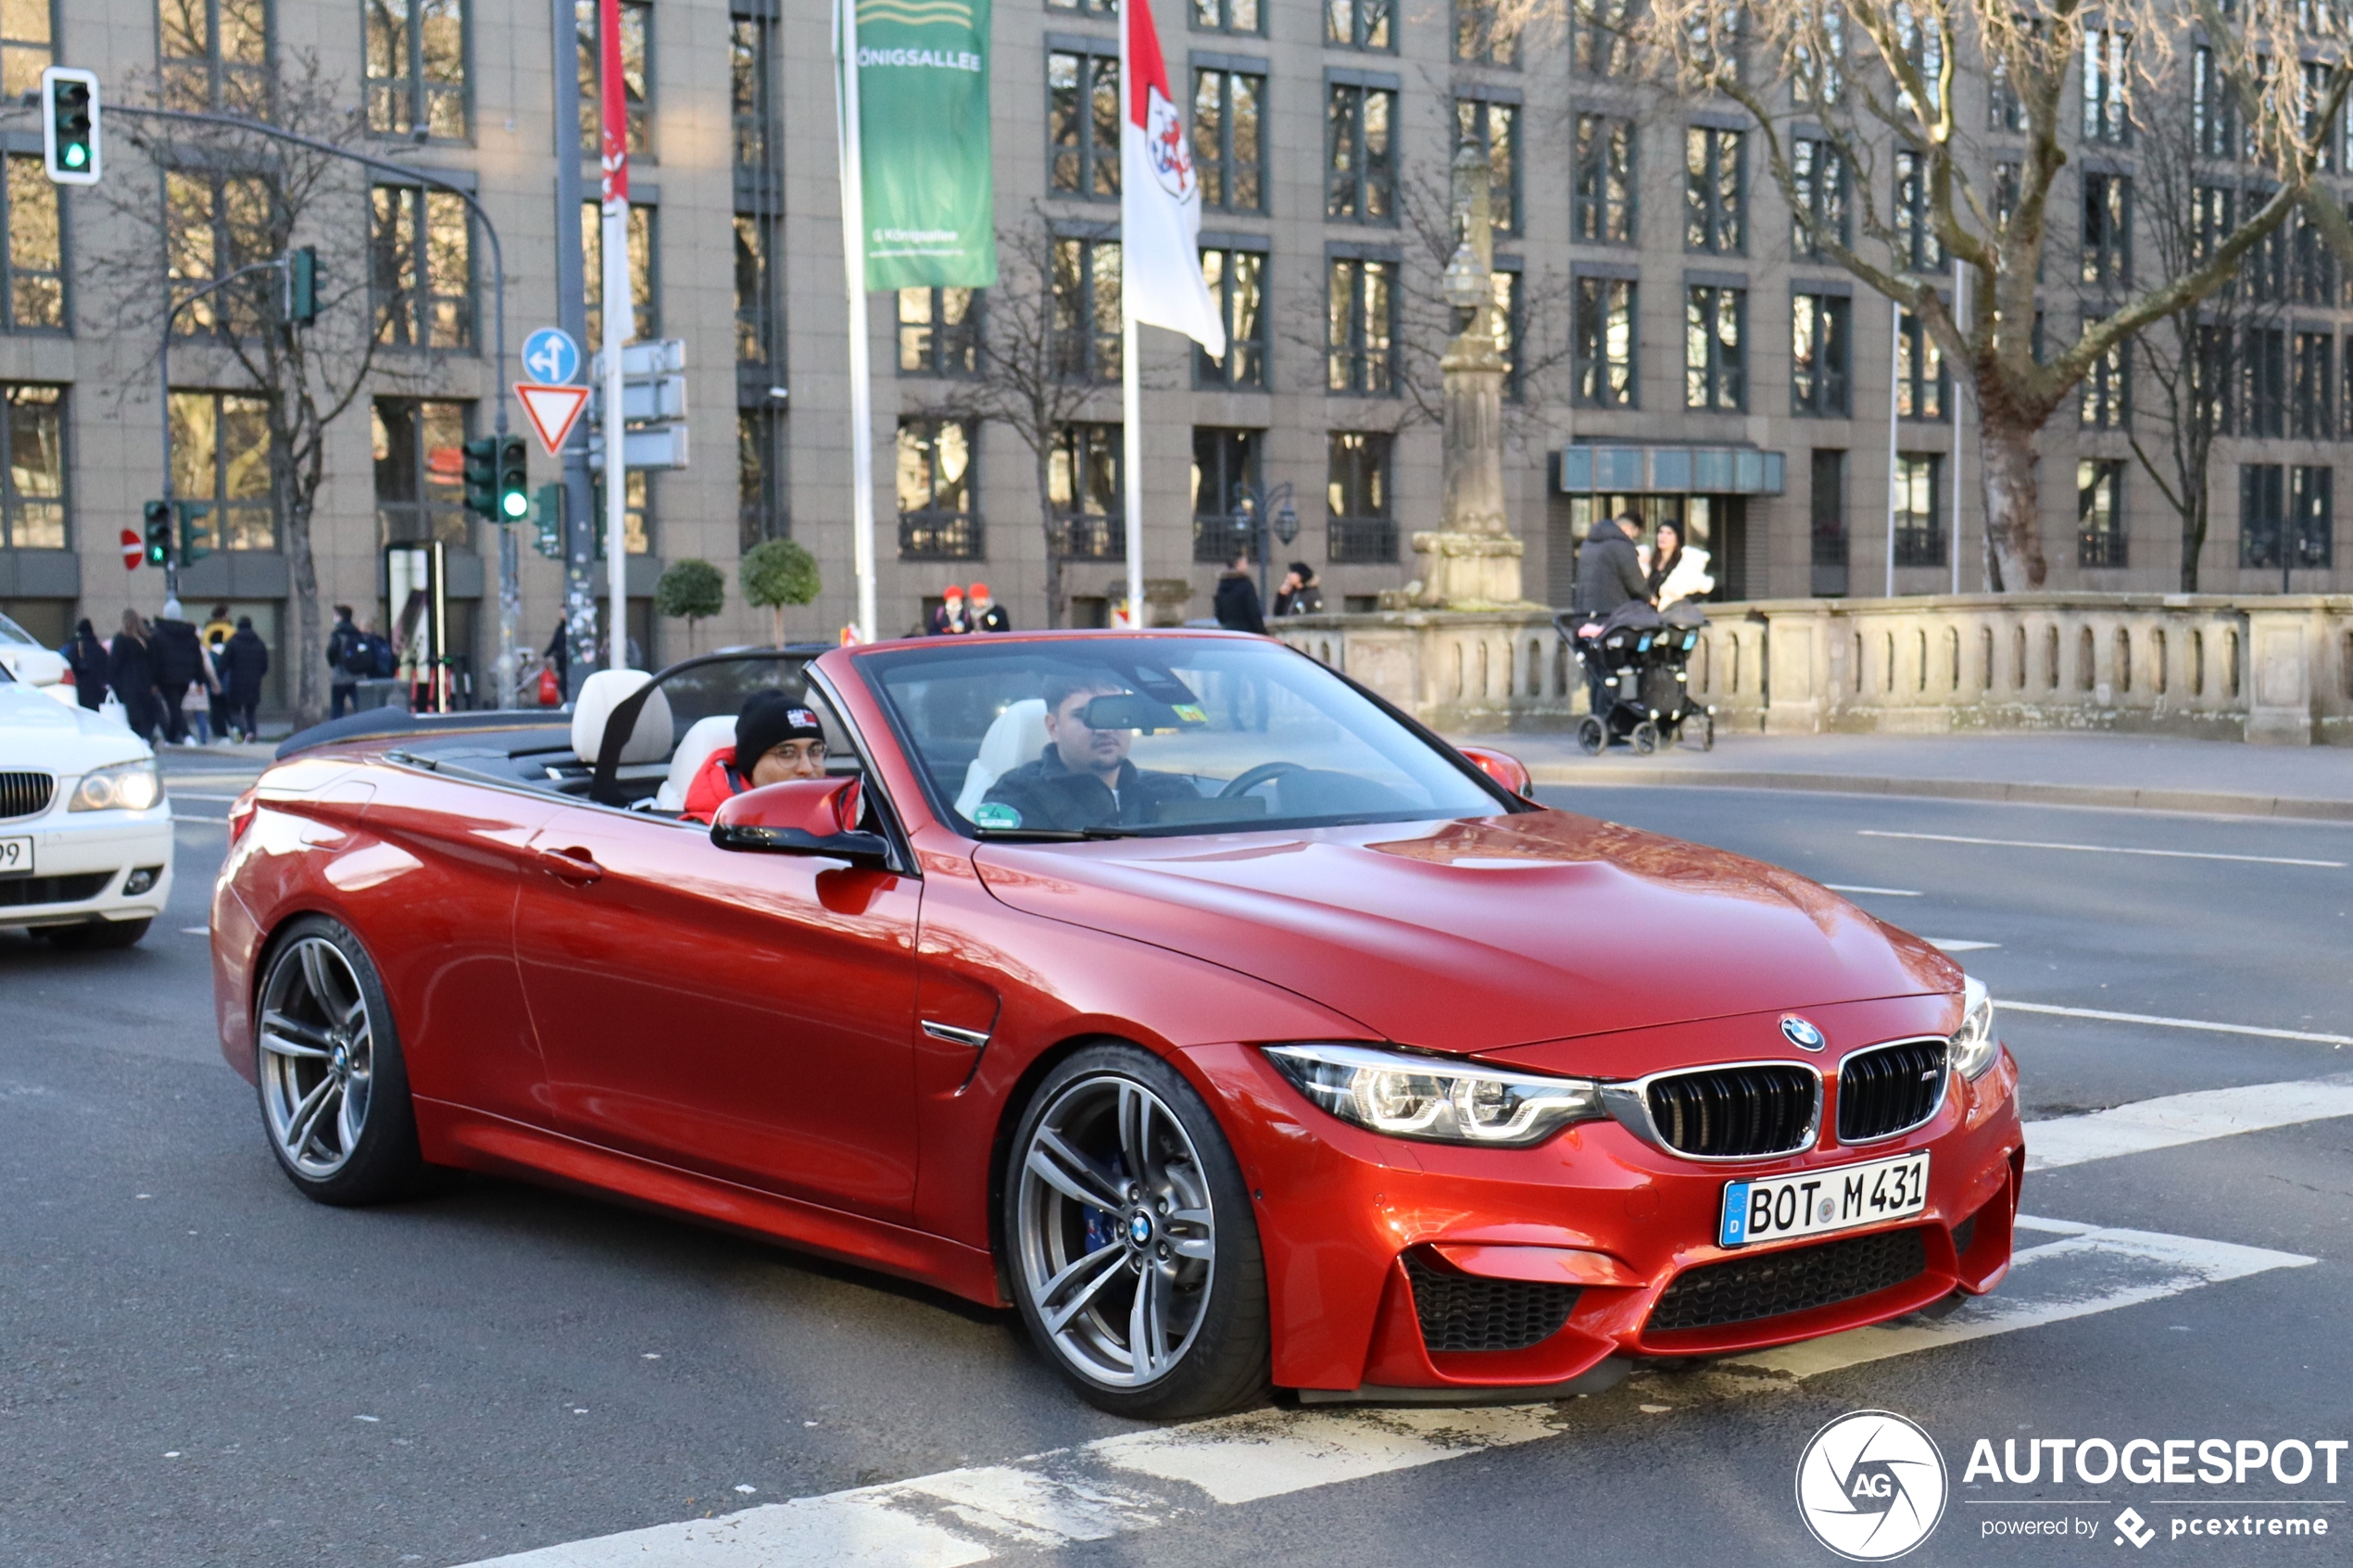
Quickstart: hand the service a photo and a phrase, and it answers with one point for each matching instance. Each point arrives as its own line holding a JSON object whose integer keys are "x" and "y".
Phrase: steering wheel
{"x": 1249, "y": 779}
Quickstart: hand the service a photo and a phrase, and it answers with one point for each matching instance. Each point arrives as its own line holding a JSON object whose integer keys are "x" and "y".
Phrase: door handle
{"x": 576, "y": 865}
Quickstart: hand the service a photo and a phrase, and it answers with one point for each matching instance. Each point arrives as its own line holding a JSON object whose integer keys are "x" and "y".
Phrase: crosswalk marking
{"x": 2160, "y": 1022}
{"x": 2173, "y": 1120}
{"x": 2099, "y": 849}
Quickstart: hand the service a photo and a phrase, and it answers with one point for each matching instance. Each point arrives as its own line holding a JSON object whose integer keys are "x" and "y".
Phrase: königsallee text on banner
{"x": 923, "y": 82}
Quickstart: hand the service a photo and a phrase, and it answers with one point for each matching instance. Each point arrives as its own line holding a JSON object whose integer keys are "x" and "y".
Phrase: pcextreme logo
{"x": 1872, "y": 1486}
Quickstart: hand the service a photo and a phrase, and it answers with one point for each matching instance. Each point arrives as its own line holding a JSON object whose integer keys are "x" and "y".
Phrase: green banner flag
{"x": 923, "y": 85}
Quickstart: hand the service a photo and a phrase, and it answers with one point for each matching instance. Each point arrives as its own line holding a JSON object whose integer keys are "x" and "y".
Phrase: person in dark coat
{"x": 130, "y": 671}
{"x": 982, "y": 611}
{"x": 558, "y": 656}
{"x": 1237, "y": 605}
{"x": 1083, "y": 779}
{"x": 87, "y": 657}
{"x": 348, "y": 662}
{"x": 1609, "y": 573}
{"x": 1301, "y": 594}
{"x": 243, "y": 664}
{"x": 179, "y": 664}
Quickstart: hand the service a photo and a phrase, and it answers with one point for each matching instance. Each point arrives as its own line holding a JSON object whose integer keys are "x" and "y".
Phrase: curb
{"x": 2116, "y": 796}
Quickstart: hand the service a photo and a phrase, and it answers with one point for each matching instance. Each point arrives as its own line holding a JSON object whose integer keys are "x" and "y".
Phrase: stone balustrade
{"x": 2275, "y": 668}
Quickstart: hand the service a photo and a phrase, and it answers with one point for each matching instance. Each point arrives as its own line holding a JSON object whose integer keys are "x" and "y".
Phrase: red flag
{"x": 613, "y": 95}
{"x": 1160, "y": 198}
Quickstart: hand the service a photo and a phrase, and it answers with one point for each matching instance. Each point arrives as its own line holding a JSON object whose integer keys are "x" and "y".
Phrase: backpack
{"x": 352, "y": 659}
{"x": 381, "y": 662}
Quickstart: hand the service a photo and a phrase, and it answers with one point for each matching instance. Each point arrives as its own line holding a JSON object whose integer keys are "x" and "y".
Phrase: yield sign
{"x": 134, "y": 550}
{"x": 552, "y": 411}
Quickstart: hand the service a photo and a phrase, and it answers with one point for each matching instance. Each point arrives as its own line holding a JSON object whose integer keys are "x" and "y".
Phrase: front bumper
{"x": 1596, "y": 1219}
{"x": 84, "y": 863}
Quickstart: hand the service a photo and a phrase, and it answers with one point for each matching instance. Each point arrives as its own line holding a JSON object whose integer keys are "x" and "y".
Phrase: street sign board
{"x": 134, "y": 549}
{"x": 550, "y": 355}
{"x": 640, "y": 361}
{"x": 656, "y": 446}
{"x": 552, "y": 411}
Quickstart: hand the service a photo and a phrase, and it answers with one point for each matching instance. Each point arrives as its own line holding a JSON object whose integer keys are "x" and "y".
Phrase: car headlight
{"x": 1973, "y": 1046}
{"x": 128, "y": 786}
{"x": 1433, "y": 1098}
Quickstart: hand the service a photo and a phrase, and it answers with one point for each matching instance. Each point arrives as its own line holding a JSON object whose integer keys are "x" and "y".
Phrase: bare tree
{"x": 217, "y": 199}
{"x": 1879, "y": 80}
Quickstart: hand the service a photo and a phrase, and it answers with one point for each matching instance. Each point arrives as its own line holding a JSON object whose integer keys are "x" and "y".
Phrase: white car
{"x": 25, "y": 657}
{"x": 85, "y": 832}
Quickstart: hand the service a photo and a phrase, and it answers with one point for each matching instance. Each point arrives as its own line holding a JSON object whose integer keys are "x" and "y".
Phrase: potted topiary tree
{"x": 690, "y": 590}
{"x": 777, "y": 572}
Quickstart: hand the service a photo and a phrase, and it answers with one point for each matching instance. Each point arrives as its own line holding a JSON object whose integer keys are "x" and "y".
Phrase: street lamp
{"x": 1265, "y": 509}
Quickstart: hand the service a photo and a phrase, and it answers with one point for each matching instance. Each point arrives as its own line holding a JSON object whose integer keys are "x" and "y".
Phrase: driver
{"x": 1083, "y": 778}
{"x": 782, "y": 739}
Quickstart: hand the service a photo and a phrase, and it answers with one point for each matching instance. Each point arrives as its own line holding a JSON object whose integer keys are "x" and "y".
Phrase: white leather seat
{"x": 705, "y": 736}
{"x": 1018, "y": 735}
{"x": 600, "y": 695}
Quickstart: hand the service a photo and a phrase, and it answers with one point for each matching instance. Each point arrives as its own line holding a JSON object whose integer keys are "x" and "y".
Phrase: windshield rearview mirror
{"x": 1127, "y": 711}
{"x": 801, "y": 817}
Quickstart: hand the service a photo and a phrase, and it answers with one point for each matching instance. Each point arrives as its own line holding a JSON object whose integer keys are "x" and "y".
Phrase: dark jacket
{"x": 178, "y": 655}
{"x": 1308, "y": 600}
{"x": 91, "y": 666}
{"x": 1049, "y": 794}
{"x": 993, "y": 619}
{"x": 347, "y": 647}
{"x": 129, "y": 668}
{"x": 1609, "y": 571}
{"x": 1237, "y": 604}
{"x": 243, "y": 664}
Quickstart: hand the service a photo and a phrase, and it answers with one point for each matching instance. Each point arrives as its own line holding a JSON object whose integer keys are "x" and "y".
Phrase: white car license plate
{"x": 16, "y": 856}
{"x": 1832, "y": 1200}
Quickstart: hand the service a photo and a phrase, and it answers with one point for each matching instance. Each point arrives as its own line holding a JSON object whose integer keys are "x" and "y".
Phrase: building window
{"x": 1818, "y": 72}
{"x": 1224, "y": 469}
{"x": 1082, "y": 481}
{"x": 1086, "y": 310}
{"x": 1823, "y": 210}
{"x": 636, "y": 518}
{"x": 1360, "y": 167}
{"x": 417, "y": 67}
{"x": 645, "y": 296}
{"x": 1919, "y": 527}
{"x": 2313, "y": 266}
{"x": 1486, "y": 33}
{"x": 1599, "y": 43}
{"x": 1919, "y": 371}
{"x": 1228, "y": 16}
{"x": 1229, "y": 152}
{"x": 1602, "y": 182}
{"x": 1503, "y": 282}
{"x": 2263, "y": 380}
{"x": 2099, "y": 512}
{"x": 220, "y": 464}
{"x": 1493, "y": 127}
{"x": 421, "y": 470}
{"x": 2315, "y": 84}
{"x": 2214, "y": 109}
{"x": 2107, "y": 231}
{"x": 1715, "y": 188}
{"x": 217, "y": 223}
{"x": 2311, "y": 523}
{"x": 1916, "y": 241}
{"x": 2107, "y": 389}
{"x": 1237, "y": 280}
{"x": 1360, "y": 24}
{"x": 940, "y": 332}
{"x": 1361, "y": 305}
{"x": 1357, "y": 526}
{"x": 938, "y": 517}
{"x": 748, "y": 72}
{"x": 2107, "y": 116}
{"x": 1605, "y": 342}
{"x": 756, "y": 336}
{"x": 2315, "y": 388}
{"x": 2212, "y": 217}
{"x": 28, "y": 45}
{"x": 636, "y": 75}
{"x": 420, "y": 259}
{"x": 1820, "y": 355}
{"x": 32, "y": 482}
{"x": 1714, "y": 376}
{"x": 2285, "y": 517}
{"x": 32, "y": 296}
{"x": 213, "y": 55}
{"x": 1922, "y": 42}
{"x": 760, "y": 491}
{"x": 2005, "y": 111}
{"x": 1082, "y": 123}
{"x": 1827, "y": 507}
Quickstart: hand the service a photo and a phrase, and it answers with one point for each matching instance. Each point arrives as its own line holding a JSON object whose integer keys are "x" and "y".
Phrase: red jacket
{"x": 712, "y": 786}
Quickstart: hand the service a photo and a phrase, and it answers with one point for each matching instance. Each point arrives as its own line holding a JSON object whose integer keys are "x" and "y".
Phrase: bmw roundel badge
{"x": 1801, "y": 1034}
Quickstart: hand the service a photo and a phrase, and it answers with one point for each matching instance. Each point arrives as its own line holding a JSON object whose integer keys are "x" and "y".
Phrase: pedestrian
{"x": 558, "y": 653}
{"x": 1237, "y": 603}
{"x": 1677, "y": 573}
{"x": 202, "y": 696}
{"x": 217, "y": 630}
{"x": 244, "y": 663}
{"x": 347, "y": 663}
{"x": 1609, "y": 574}
{"x": 86, "y": 656}
{"x": 131, "y": 671}
{"x": 179, "y": 664}
{"x": 949, "y": 621}
{"x": 985, "y": 613}
{"x": 1301, "y": 594}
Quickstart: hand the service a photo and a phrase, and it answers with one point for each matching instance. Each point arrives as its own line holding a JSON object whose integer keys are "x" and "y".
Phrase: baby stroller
{"x": 1637, "y": 656}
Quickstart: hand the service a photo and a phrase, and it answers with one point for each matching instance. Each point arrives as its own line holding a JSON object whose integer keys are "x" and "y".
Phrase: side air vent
{"x": 1466, "y": 1313}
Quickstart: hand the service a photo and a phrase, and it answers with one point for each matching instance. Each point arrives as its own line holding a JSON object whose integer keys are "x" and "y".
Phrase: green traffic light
{"x": 76, "y": 155}
{"x": 514, "y": 503}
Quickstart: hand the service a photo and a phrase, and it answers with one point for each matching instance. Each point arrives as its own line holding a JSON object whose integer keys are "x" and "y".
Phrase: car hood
{"x": 1478, "y": 935}
{"x": 37, "y": 731}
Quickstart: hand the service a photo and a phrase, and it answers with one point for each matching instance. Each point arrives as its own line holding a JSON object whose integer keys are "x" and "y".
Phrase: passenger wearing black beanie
{"x": 776, "y": 739}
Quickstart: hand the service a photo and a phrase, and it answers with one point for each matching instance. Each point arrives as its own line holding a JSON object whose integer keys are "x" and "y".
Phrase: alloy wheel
{"x": 317, "y": 1058}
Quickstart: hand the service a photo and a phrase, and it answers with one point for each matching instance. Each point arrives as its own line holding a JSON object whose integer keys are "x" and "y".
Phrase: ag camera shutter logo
{"x": 1872, "y": 1486}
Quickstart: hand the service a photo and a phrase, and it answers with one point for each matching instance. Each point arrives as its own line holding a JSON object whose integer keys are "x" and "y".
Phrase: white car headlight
{"x": 1973, "y": 1046}
{"x": 126, "y": 786}
{"x": 1434, "y": 1098}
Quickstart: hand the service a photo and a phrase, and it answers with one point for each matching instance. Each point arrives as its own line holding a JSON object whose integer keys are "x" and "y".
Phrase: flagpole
{"x": 861, "y": 375}
{"x": 1131, "y": 394}
{"x": 619, "y": 325}
{"x": 1961, "y": 411}
{"x": 1894, "y": 374}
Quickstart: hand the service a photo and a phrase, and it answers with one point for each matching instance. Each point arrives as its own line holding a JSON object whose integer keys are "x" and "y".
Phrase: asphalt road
{"x": 202, "y": 1367}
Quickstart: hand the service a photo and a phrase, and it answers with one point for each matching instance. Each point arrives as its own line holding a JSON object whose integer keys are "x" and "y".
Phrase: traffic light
{"x": 70, "y": 125}
{"x": 514, "y": 479}
{"x": 195, "y": 534}
{"x": 482, "y": 477}
{"x": 158, "y": 518}
{"x": 547, "y": 517}
{"x": 302, "y": 286}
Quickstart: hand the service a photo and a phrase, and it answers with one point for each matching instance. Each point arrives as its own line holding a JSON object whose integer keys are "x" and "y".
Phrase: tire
{"x": 333, "y": 1087}
{"x": 1592, "y": 736}
{"x": 97, "y": 936}
{"x": 1645, "y": 737}
{"x": 1181, "y": 1245}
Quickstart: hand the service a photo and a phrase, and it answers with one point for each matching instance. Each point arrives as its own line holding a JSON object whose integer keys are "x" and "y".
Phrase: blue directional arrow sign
{"x": 550, "y": 355}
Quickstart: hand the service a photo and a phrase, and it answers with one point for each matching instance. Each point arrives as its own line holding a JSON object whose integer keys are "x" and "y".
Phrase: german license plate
{"x": 16, "y": 856}
{"x": 1832, "y": 1200}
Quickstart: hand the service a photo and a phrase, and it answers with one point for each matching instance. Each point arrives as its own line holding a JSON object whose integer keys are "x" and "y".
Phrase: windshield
{"x": 12, "y": 632}
{"x": 1156, "y": 735}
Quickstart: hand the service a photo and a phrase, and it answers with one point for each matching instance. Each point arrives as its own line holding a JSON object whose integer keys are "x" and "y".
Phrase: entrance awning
{"x": 1679, "y": 470}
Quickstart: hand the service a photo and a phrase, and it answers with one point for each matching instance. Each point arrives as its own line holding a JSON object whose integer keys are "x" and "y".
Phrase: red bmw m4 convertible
{"x": 1169, "y": 988}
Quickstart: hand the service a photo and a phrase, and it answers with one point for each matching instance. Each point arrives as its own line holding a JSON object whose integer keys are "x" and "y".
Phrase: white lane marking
{"x": 2100, "y": 848}
{"x": 1882, "y": 892}
{"x": 192, "y": 795}
{"x": 2173, "y": 1120}
{"x": 192, "y": 817}
{"x": 1956, "y": 944}
{"x": 196, "y": 931}
{"x": 2211, "y": 1028}
{"x": 1140, "y": 1480}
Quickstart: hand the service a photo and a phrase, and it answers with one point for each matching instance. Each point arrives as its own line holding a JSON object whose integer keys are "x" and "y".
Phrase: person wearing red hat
{"x": 949, "y": 619}
{"x": 783, "y": 740}
{"x": 985, "y": 614}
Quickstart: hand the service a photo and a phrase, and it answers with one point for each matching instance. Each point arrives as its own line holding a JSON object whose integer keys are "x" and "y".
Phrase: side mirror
{"x": 1500, "y": 766}
{"x": 801, "y": 817}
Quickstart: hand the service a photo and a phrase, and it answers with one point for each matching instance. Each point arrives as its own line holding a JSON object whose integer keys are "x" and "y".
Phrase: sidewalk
{"x": 2145, "y": 772}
